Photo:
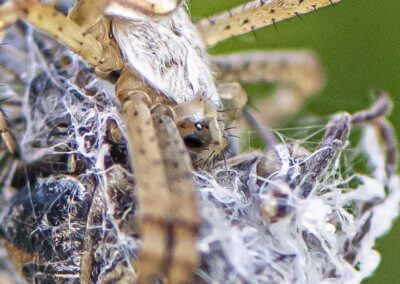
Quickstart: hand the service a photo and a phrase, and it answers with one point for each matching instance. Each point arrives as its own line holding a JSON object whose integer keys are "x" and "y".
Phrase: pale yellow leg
{"x": 297, "y": 75}
{"x": 86, "y": 13}
{"x": 151, "y": 185}
{"x": 254, "y": 15}
{"x": 165, "y": 187}
{"x": 183, "y": 218}
{"x": 234, "y": 99}
{"x": 66, "y": 31}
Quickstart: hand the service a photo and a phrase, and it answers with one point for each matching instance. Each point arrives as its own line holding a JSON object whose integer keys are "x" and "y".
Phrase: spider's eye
{"x": 198, "y": 126}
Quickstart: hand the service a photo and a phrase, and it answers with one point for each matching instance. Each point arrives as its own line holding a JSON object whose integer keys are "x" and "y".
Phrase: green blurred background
{"x": 358, "y": 43}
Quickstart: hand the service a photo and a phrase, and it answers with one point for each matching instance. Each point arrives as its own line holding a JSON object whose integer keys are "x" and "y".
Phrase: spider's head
{"x": 201, "y": 130}
{"x": 195, "y": 135}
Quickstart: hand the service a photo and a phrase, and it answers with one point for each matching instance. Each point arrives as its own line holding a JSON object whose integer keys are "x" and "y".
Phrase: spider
{"x": 176, "y": 97}
{"x": 73, "y": 216}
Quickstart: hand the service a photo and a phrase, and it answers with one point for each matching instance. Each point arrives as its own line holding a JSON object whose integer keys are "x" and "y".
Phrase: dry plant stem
{"x": 336, "y": 134}
{"x": 296, "y": 75}
{"x": 254, "y": 15}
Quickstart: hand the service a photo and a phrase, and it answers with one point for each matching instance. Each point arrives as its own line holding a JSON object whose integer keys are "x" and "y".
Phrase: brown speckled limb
{"x": 181, "y": 259}
{"x": 254, "y": 15}
{"x": 297, "y": 75}
{"x": 86, "y": 15}
{"x": 156, "y": 186}
{"x": 151, "y": 184}
{"x": 165, "y": 188}
{"x": 56, "y": 24}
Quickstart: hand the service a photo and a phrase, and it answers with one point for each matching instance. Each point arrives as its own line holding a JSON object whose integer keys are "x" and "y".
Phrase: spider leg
{"x": 266, "y": 135}
{"x": 151, "y": 184}
{"x": 66, "y": 31}
{"x": 234, "y": 99}
{"x": 254, "y": 15}
{"x": 183, "y": 220}
{"x": 166, "y": 212}
{"x": 297, "y": 76}
{"x": 86, "y": 15}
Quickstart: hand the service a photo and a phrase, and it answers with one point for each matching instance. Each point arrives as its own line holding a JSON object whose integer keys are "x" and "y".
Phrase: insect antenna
{"x": 382, "y": 107}
{"x": 390, "y": 143}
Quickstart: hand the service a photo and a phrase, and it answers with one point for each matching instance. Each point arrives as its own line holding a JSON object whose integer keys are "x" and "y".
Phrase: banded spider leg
{"x": 153, "y": 187}
{"x": 254, "y": 15}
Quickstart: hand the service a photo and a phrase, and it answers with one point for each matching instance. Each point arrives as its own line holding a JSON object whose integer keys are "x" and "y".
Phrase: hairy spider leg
{"x": 152, "y": 185}
{"x": 254, "y": 15}
{"x": 162, "y": 188}
{"x": 297, "y": 75}
{"x": 183, "y": 220}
